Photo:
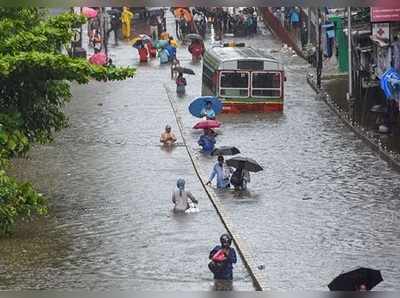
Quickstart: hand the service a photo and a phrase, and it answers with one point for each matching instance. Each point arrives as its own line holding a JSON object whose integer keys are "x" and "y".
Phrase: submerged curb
{"x": 241, "y": 245}
{"x": 374, "y": 143}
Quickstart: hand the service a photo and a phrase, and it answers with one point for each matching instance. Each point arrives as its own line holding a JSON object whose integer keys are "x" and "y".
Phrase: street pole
{"x": 319, "y": 50}
{"x": 309, "y": 26}
{"x": 350, "y": 99}
{"x": 349, "y": 51}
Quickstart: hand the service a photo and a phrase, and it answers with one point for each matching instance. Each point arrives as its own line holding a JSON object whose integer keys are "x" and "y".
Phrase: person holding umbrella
{"x": 207, "y": 141}
{"x": 208, "y": 111}
{"x": 240, "y": 178}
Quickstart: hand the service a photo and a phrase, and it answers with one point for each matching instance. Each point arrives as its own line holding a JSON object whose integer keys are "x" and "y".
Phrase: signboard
{"x": 381, "y": 31}
{"x": 380, "y": 14}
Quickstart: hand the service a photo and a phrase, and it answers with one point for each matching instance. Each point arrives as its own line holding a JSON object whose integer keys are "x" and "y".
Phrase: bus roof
{"x": 220, "y": 55}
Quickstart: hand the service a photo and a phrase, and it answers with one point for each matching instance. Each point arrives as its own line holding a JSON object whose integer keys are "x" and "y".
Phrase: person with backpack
{"x": 221, "y": 265}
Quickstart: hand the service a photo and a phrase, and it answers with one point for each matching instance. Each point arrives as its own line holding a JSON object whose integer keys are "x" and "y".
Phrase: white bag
{"x": 193, "y": 208}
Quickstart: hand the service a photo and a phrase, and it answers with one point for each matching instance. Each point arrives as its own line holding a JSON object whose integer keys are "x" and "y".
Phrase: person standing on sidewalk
{"x": 126, "y": 18}
{"x": 225, "y": 256}
{"x": 115, "y": 23}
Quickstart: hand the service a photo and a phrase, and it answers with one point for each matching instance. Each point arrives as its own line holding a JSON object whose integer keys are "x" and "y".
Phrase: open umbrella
{"x": 98, "y": 59}
{"x": 350, "y": 281}
{"x": 89, "y": 12}
{"x": 225, "y": 150}
{"x": 245, "y": 163}
{"x": 198, "y": 104}
{"x": 114, "y": 11}
{"x": 207, "y": 124}
{"x": 185, "y": 13}
{"x": 194, "y": 36}
{"x": 161, "y": 43}
{"x": 180, "y": 69}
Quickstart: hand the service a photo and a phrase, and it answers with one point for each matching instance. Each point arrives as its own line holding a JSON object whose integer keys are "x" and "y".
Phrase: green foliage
{"x": 18, "y": 201}
{"x": 35, "y": 82}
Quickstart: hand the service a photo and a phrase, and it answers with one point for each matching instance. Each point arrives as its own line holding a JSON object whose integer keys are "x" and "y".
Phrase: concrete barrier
{"x": 242, "y": 247}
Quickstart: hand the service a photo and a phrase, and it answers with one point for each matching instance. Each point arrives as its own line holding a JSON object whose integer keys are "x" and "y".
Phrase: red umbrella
{"x": 99, "y": 59}
{"x": 207, "y": 124}
{"x": 89, "y": 12}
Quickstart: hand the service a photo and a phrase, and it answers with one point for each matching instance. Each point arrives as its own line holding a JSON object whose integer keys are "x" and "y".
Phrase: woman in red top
{"x": 143, "y": 54}
{"x": 152, "y": 50}
{"x": 196, "y": 48}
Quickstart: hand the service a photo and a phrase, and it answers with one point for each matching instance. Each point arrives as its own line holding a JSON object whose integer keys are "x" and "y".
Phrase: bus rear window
{"x": 238, "y": 80}
{"x": 266, "y": 80}
{"x": 266, "y": 84}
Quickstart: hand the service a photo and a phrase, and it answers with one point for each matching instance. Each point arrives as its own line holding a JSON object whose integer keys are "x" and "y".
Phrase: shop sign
{"x": 380, "y": 14}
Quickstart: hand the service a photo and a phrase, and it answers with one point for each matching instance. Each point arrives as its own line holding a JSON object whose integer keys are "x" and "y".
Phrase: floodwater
{"x": 324, "y": 203}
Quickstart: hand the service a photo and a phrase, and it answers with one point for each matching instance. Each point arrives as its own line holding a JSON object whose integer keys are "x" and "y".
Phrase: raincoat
{"x": 163, "y": 55}
{"x": 126, "y": 17}
{"x": 181, "y": 200}
{"x": 207, "y": 143}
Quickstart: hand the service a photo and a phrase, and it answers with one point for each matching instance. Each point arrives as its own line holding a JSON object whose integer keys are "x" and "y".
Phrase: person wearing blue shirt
{"x": 223, "y": 278}
{"x": 207, "y": 141}
{"x": 208, "y": 112}
{"x": 222, "y": 172}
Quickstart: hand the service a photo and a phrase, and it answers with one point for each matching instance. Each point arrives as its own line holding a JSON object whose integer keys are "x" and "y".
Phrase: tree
{"x": 35, "y": 82}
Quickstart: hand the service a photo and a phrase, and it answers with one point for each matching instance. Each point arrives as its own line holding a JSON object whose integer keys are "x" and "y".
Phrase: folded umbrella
{"x": 352, "y": 280}
{"x": 184, "y": 70}
{"x": 194, "y": 36}
{"x": 244, "y": 163}
{"x": 207, "y": 124}
{"x": 89, "y": 12}
{"x": 198, "y": 104}
{"x": 225, "y": 150}
{"x": 98, "y": 59}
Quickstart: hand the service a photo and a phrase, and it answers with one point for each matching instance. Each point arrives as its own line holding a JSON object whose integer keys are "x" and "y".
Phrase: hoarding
{"x": 380, "y": 14}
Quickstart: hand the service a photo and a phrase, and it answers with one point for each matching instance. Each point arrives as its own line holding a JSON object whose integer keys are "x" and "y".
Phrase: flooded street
{"x": 323, "y": 204}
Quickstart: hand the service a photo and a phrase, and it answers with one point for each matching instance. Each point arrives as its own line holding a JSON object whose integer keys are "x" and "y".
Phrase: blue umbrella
{"x": 199, "y": 103}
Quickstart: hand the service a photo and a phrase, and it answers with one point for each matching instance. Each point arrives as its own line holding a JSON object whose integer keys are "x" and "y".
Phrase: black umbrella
{"x": 245, "y": 163}
{"x": 352, "y": 280}
{"x": 225, "y": 150}
{"x": 114, "y": 11}
{"x": 194, "y": 36}
{"x": 184, "y": 70}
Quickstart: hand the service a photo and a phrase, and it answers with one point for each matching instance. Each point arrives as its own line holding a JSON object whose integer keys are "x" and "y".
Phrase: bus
{"x": 244, "y": 78}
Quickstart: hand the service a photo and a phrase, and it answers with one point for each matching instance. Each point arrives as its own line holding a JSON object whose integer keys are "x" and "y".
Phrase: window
{"x": 266, "y": 84}
{"x": 234, "y": 84}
